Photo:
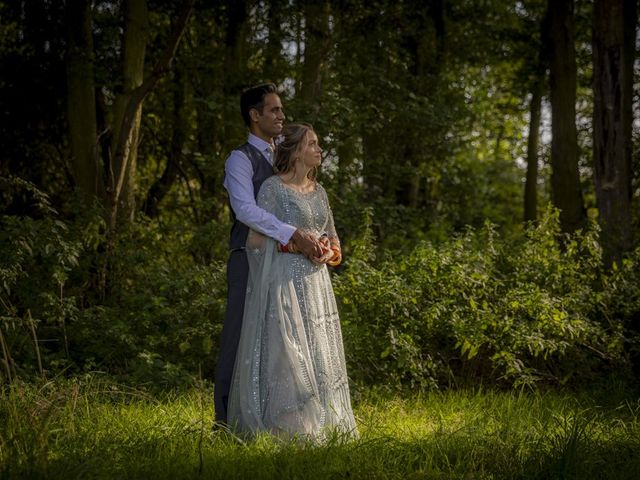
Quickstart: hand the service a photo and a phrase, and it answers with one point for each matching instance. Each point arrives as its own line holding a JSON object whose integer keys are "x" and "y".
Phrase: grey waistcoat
{"x": 261, "y": 171}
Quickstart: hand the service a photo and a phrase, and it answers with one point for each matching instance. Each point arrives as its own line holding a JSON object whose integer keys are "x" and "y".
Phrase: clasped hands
{"x": 318, "y": 250}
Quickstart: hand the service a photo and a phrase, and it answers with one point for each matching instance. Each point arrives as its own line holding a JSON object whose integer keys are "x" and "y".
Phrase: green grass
{"x": 98, "y": 429}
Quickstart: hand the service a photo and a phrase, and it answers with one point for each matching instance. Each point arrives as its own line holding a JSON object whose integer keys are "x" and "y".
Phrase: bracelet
{"x": 334, "y": 262}
{"x": 288, "y": 248}
{"x": 283, "y": 248}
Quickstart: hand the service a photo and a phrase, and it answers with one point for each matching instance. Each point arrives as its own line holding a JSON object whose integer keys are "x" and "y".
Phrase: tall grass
{"x": 97, "y": 429}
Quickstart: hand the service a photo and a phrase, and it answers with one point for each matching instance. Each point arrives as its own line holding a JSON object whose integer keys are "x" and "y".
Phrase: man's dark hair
{"x": 254, "y": 98}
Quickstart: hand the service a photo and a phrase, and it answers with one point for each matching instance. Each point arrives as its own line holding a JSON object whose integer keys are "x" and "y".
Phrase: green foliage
{"x": 422, "y": 110}
{"x": 478, "y": 306}
{"x": 157, "y": 318}
{"x": 162, "y": 319}
{"x": 36, "y": 260}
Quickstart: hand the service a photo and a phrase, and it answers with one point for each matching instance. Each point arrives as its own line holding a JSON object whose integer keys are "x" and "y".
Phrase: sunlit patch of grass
{"x": 97, "y": 429}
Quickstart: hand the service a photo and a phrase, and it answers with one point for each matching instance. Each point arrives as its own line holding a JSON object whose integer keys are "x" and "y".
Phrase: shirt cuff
{"x": 285, "y": 233}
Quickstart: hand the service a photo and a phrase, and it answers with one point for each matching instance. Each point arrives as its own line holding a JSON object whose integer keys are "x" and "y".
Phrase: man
{"x": 245, "y": 170}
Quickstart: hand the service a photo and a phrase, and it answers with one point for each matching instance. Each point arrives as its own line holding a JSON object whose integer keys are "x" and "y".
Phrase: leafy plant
{"x": 517, "y": 311}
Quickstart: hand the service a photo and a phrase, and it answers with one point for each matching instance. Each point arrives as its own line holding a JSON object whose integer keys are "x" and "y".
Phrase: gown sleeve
{"x": 330, "y": 228}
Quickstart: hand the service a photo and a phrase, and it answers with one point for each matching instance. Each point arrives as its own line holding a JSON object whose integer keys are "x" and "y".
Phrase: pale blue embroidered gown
{"x": 290, "y": 376}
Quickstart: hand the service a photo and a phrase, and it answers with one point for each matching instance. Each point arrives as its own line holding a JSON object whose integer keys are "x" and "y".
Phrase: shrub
{"x": 144, "y": 308}
{"x": 37, "y": 255}
{"x": 162, "y": 319}
{"x": 482, "y": 308}
{"x": 474, "y": 308}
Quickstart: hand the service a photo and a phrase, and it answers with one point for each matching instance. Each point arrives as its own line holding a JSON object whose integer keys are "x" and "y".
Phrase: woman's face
{"x": 311, "y": 154}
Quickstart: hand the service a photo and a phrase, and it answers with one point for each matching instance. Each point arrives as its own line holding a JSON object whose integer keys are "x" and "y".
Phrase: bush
{"x": 475, "y": 308}
{"x": 162, "y": 319}
{"x": 142, "y": 308}
{"x": 37, "y": 255}
{"x": 481, "y": 308}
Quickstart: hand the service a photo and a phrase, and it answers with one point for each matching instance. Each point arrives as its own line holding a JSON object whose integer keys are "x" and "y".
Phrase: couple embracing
{"x": 281, "y": 367}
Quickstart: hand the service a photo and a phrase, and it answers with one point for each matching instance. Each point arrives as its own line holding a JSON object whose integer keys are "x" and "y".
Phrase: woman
{"x": 290, "y": 377}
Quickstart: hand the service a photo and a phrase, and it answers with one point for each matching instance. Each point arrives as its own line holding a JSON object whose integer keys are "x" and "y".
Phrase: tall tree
{"x": 222, "y": 42}
{"x": 274, "y": 63}
{"x": 531, "y": 182}
{"x": 565, "y": 176}
{"x": 235, "y": 60}
{"x": 81, "y": 104}
{"x": 207, "y": 78}
{"x": 614, "y": 25}
{"x": 425, "y": 43}
{"x": 125, "y": 145}
{"x": 317, "y": 40}
{"x": 539, "y": 74}
{"x": 179, "y": 131}
{"x": 120, "y": 157}
{"x": 123, "y": 164}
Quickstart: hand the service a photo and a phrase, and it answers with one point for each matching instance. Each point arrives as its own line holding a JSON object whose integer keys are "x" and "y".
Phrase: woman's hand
{"x": 330, "y": 253}
{"x": 326, "y": 252}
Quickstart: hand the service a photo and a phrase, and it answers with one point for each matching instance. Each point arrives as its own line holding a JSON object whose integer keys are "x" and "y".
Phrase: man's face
{"x": 268, "y": 124}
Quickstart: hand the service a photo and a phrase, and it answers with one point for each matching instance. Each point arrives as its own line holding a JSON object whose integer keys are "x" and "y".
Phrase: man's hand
{"x": 305, "y": 243}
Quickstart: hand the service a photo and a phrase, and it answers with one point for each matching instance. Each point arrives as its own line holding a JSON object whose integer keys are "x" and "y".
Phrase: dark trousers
{"x": 237, "y": 274}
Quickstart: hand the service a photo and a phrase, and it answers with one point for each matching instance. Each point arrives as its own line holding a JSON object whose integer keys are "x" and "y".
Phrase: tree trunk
{"x": 299, "y": 42}
{"x": 565, "y": 177}
{"x": 426, "y": 46}
{"x": 274, "y": 67}
{"x": 81, "y": 103}
{"x": 531, "y": 183}
{"x": 372, "y": 171}
{"x": 209, "y": 164}
{"x": 316, "y": 45}
{"x": 217, "y": 132}
{"x": 133, "y": 53}
{"x": 436, "y": 12}
{"x": 613, "y": 56}
{"x": 128, "y": 121}
{"x": 161, "y": 187}
{"x": 533, "y": 142}
{"x": 235, "y": 64}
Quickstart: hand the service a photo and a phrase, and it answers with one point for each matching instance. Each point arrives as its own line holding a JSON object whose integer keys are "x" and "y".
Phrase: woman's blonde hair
{"x": 294, "y": 136}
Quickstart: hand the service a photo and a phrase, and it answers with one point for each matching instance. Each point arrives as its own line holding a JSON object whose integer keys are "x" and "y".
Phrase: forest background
{"x": 481, "y": 157}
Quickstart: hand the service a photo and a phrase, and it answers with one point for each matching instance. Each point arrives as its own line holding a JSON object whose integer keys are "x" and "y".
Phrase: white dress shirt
{"x": 238, "y": 181}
